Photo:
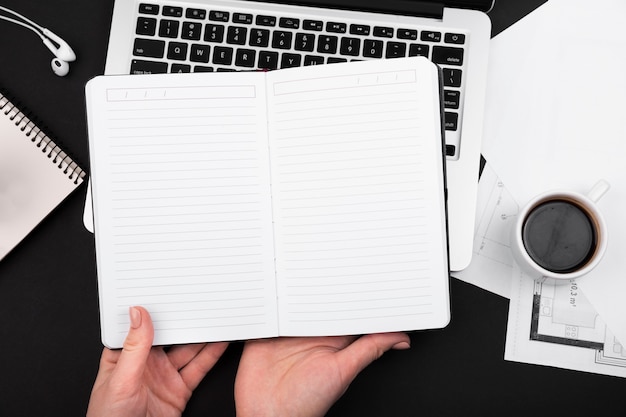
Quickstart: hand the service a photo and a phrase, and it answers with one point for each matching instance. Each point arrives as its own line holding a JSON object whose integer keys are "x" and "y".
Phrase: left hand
{"x": 141, "y": 380}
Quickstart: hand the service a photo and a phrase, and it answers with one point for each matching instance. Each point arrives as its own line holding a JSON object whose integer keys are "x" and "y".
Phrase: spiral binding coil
{"x": 41, "y": 140}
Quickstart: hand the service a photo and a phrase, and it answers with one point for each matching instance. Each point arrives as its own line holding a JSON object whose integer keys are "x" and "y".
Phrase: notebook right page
{"x": 358, "y": 198}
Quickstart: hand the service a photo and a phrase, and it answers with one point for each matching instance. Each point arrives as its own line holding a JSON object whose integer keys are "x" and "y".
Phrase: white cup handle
{"x": 598, "y": 190}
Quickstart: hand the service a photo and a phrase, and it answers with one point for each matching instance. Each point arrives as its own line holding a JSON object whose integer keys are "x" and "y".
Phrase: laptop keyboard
{"x": 181, "y": 39}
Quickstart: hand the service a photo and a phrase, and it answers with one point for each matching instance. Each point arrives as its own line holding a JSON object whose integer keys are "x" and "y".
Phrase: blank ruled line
{"x": 360, "y": 300}
{"x": 203, "y": 302}
{"x": 186, "y": 161}
{"x": 412, "y": 208}
{"x": 374, "y": 111}
{"x": 345, "y": 195}
{"x": 175, "y": 294}
{"x": 347, "y": 266}
{"x": 356, "y": 203}
{"x": 351, "y": 94}
{"x": 185, "y": 240}
{"x": 124, "y": 315}
{"x": 178, "y": 197}
{"x": 365, "y": 158}
{"x": 189, "y": 258}
{"x": 180, "y": 125}
{"x": 337, "y": 278}
{"x": 205, "y": 275}
{"x": 181, "y": 108}
{"x": 181, "y": 143}
{"x": 335, "y": 142}
{"x": 195, "y": 248}
{"x": 412, "y": 147}
{"x": 366, "y": 256}
{"x": 190, "y": 205}
{"x": 350, "y": 284}
{"x": 191, "y": 187}
{"x": 360, "y": 293}
{"x": 360, "y": 318}
{"x": 179, "y": 267}
{"x": 356, "y": 222}
{"x": 326, "y": 170}
{"x": 180, "y": 214}
{"x": 163, "y": 135}
{"x": 360, "y": 310}
{"x": 183, "y": 116}
{"x": 184, "y": 170}
{"x": 195, "y": 285}
{"x": 383, "y": 132}
{"x": 284, "y": 130}
{"x": 177, "y": 232}
{"x": 353, "y": 186}
{"x": 185, "y": 179}
{"x": 323, "y": 104}
{"x": 234, "y": 316}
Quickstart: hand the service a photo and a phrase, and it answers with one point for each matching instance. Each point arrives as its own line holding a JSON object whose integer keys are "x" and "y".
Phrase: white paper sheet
{"x": 555, "y": 118}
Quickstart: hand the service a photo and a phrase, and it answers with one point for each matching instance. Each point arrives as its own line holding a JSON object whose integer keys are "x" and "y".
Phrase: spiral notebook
{"x": 35, "y": 175}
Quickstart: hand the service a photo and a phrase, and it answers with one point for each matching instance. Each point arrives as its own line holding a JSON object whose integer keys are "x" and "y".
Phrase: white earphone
{"x": 63, "y": 54}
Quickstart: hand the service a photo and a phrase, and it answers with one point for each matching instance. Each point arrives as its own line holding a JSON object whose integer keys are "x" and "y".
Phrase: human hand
{"x": 303, "y": 377}
{"x": 141, "y": 380}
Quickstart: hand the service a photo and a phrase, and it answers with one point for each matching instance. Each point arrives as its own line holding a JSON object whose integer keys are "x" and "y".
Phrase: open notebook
{"x": 246, "y": 205}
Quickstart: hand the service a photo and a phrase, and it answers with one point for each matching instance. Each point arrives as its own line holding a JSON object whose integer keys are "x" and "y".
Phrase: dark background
{"x": 49, "y": 328}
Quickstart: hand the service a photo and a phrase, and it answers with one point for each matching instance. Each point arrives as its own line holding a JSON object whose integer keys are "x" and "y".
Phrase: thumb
{"x": 366, "y": 349}
{"x": 137, "y": 345}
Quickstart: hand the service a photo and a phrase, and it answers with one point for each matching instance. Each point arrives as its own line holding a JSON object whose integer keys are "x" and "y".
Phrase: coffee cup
{"x": 560, "y": 234}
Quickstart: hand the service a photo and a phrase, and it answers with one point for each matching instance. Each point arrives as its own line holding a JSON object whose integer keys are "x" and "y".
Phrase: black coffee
{"x": 559, "y": 236}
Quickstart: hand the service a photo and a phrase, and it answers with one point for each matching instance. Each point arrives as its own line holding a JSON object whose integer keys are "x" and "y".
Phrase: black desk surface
{"x": 49, "y": 329}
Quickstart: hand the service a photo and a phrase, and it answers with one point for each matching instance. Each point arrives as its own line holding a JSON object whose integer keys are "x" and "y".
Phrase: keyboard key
{"x": 245, "y": 58}
{"x": 180, "y": 68}
{"x": 304, "y": 42}
{"x": 316, "y": 25}
{"x": 335, "y": 60}
{"x": 410, "y": 34}
{"x": 456, "y": 38}
{"x": 290, "y": 60}
{"x": 191, "y": 31}
{"x": 416, "y": 49}
{"x": 447, "y": 55}
{"x": 313, "y": 60}
{"x": 169, "y": 28}
{"x": 268, "y": 60}
{"x": 282, "y": 40}
{"x": 430, "y": 36}
{"x": 177, "y": 51}
{"x": 202, "y": 68}
{"x": 450, "y": 150}
{"x": 195, "y": 14}
{"x": 373, "y": 48}
{"x": 200, "y": 53}
{"x": 335, "y": 27}
{"x": 222, "y": 55}
{"x": 149, "y": 48}
{"x": 172, "y": 11}
{"x": 451, "y": 99}
{"x": 218, "y": 16}
{"x": 242, "y": 18}
{"x": 147, "y": 67}
{"x": 259, "y": 37}
{"x": 266, "y": 20}
{"x": 395, "y": 50}
{"x": 452, "y": 77}
{"x": 363, "y": 30}
{"x": 214, "y": 33}
{"x": 451, "y": 120}
{"x": 327, "y": 44}
{"x": 146, "y": 8}
{"x": 383, "y": 32}
{"x": 289, "y": 23}
{"x": 236, "y": 35}
{"x": 146, "y": 26}
{"x": 350, "y": 46}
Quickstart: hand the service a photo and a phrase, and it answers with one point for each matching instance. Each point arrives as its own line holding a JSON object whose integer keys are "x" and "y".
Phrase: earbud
{"x": 60, "y": 67}
{"x": 61, "y": 50}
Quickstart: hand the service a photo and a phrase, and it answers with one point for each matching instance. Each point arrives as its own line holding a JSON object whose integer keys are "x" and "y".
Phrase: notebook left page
{"x": 182, "y": 209}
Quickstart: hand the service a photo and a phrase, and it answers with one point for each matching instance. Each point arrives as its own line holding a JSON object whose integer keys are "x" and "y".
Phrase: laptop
{"x": 158, "y": 36}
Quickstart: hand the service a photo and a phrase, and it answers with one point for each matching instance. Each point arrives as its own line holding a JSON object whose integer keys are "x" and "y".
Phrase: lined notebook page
{"x": 358, "y": 199}
{"x": 182, "y": 206}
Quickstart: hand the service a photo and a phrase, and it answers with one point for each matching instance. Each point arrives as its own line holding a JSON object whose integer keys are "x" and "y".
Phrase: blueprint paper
{"x": 555, "y": 325}
{"x": 555, "y": 119}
